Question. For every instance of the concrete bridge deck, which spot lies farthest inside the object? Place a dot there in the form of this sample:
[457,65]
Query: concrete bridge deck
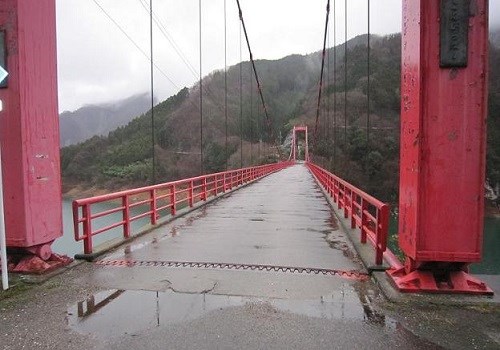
[281,220]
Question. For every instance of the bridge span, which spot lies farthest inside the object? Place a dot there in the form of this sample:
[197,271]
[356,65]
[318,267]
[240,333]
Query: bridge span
[281,224]
[265,266]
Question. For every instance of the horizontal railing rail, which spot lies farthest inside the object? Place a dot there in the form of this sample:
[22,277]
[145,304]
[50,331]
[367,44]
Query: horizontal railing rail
[365,212]
[158,201]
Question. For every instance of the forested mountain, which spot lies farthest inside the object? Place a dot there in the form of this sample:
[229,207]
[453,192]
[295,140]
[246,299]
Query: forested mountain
[290,86]
[100,119]
[493,145]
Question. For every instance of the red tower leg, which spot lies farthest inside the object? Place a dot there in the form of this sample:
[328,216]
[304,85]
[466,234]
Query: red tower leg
[29,127]
[443,138]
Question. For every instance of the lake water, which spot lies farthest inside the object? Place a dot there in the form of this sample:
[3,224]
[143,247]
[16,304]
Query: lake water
[490,264]
[67,244]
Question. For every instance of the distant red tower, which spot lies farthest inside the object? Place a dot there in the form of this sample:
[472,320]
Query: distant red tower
[29,126]
[293,153]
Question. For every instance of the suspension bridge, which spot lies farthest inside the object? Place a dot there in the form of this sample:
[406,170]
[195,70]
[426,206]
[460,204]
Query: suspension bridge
[285,232]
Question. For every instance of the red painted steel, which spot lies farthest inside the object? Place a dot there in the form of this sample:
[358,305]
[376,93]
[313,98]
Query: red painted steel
[29,126]
[293,150]
[443,137]
[368,214]
[160,200]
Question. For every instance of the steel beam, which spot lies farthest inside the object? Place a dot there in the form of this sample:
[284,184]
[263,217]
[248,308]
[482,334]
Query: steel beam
[443,139]
[29,128]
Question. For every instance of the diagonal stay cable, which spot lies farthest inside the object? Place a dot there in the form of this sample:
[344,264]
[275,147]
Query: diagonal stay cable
[135,44]
[180,53]
[170,39]
[124,32]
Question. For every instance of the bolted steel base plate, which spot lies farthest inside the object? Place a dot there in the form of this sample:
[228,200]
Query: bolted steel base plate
[456,282]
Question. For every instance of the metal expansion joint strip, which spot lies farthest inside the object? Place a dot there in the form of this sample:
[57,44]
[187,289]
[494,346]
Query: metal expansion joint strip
[349,274]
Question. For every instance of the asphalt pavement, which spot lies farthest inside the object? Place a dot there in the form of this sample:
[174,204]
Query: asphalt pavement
[264,267]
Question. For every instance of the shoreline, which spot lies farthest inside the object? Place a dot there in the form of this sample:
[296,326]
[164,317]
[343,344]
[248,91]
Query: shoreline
[77,191]
[491,211]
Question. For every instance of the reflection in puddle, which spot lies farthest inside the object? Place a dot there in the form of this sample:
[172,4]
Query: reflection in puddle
[113,313]
[174,231]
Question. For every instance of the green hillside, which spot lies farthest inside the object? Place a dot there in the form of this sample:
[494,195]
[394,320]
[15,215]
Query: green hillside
[124,157]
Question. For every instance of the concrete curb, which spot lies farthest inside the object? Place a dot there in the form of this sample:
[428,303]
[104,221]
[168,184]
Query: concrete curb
[367,255]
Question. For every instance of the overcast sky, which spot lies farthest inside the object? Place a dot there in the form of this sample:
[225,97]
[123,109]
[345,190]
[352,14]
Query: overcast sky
[98,63]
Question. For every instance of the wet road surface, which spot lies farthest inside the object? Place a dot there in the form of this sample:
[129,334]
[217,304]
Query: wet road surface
[282,220]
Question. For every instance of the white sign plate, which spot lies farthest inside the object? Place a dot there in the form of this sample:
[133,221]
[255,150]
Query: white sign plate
[3,74]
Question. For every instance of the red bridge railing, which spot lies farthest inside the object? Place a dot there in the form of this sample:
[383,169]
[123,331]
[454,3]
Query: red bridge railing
[158,200]
[366,213]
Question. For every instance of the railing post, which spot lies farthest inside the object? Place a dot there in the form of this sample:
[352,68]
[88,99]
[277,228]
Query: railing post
[336,190]
[346,202]
[87,229]
[172,200]
[153,206]
[364,220]
[190,193]
[126,216]
[224,183]
[381,233]
[216,185]
[204,189]
[353,210]
[76,220]
[332,186]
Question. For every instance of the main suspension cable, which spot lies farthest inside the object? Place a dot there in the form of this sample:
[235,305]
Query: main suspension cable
[135,44]
[170,39]
[321,75]
[268,119]
[182,56]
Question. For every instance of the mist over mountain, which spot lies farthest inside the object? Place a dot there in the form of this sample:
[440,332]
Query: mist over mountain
[91,120]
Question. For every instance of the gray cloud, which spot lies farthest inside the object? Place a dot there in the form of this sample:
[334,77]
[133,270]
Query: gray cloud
[97,63]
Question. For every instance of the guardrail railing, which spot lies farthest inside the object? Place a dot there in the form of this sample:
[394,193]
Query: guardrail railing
[158,201]
[365,212]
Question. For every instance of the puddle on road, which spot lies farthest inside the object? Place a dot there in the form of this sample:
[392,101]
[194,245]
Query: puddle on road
[113,313]
[172,231]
